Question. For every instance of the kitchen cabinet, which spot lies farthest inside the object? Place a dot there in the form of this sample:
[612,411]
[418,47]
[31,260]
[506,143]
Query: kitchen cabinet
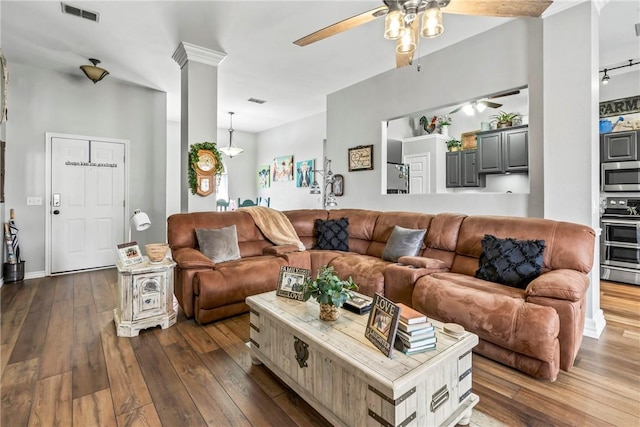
[619,146]
[462,169]
[503,150]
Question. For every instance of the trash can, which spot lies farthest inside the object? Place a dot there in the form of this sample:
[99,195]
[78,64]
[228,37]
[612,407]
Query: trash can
[13,272]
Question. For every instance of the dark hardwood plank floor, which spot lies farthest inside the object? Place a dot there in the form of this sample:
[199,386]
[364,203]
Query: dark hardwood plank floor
[62,364]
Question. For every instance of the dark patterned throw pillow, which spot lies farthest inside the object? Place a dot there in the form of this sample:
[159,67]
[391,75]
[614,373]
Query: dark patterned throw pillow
[509,261]
[332,234]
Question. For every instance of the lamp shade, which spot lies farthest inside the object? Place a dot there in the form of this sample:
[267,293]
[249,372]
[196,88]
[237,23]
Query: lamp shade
[140,220]
[432,21]
[93,72]
[394,23]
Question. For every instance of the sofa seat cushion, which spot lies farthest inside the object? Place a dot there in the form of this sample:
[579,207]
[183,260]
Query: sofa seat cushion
[233,281]
[497,317]
[367,271]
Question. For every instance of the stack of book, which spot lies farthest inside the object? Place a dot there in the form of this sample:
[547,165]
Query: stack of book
[415,333]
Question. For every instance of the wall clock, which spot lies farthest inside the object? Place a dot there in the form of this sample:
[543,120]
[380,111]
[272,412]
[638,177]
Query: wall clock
[205,169]
[361,158]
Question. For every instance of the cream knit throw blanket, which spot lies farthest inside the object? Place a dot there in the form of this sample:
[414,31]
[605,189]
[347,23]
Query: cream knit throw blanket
[275,226]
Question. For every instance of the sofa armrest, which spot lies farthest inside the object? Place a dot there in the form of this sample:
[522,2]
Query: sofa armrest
[191,258]
[280,250]
[422,262]
[563,284]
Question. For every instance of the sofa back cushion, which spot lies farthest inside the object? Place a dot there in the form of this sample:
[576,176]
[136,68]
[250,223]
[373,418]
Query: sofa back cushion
[181,230]
[303,221]
[361,225]
[568,245]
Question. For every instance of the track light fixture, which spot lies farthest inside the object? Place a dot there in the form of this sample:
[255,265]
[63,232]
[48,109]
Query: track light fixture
[605,79]
[93,72]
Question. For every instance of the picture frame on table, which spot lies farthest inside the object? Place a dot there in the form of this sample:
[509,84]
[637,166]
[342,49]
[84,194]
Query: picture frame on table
[129,253]
[383,324]
[291,282]
[361,158]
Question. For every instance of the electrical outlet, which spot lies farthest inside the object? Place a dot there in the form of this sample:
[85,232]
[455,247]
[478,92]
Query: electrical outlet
[34,201]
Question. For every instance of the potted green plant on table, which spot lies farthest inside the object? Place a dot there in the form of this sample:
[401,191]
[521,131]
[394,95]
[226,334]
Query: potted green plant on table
[330,291]
[504,119]
[454,144]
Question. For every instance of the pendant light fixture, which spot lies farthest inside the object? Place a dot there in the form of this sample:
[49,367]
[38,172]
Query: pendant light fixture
[231,150]
[93,72]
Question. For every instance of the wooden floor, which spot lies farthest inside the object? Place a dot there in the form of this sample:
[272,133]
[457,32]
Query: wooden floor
[62,364]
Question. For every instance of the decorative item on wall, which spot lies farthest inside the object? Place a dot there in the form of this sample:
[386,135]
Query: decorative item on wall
[304,173]
[4,80]
[264,176]
[361,158]
[338,185]
[282,169]
[328,197]
[429,125]
[204,162]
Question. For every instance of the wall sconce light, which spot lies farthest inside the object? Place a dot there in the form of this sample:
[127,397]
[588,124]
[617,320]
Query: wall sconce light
[328,197]
[231,150]
[139,220]
[93,72]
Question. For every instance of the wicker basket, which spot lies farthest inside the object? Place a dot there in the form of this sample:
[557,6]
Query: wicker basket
[156,251]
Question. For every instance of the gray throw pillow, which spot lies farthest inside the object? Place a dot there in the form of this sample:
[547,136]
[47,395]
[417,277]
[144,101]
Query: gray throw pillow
[220,244]
[403,242]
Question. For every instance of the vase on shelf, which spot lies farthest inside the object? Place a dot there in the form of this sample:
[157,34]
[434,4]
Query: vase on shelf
[444,130]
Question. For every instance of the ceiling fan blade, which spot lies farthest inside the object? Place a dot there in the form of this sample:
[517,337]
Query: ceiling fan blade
[513,92]
[492,104]
[501,8]
[341,26]
[457,109]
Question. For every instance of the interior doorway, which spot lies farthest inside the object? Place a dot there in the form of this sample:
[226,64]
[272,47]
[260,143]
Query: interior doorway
[419,179]
[86,196]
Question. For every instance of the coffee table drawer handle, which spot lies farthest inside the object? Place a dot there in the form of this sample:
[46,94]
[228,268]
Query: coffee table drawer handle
[439,397]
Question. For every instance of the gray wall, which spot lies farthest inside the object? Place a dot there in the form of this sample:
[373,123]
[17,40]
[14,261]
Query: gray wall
[45,101]
[304,140]
[499,59]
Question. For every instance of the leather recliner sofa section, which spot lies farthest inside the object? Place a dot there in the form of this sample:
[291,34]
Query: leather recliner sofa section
[537,330]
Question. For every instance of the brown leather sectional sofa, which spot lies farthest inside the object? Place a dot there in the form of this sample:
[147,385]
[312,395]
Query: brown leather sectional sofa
[537,330]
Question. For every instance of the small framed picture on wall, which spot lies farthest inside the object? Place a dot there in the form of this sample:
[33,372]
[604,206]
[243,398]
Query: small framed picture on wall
[361,158]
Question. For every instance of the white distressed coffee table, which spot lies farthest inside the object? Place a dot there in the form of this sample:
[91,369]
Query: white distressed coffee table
[334,368]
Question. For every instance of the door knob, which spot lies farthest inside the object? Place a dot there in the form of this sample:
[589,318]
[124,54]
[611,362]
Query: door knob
[56,212]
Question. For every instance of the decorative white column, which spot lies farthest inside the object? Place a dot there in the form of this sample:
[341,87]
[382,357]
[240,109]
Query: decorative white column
[199,112]
[571,140]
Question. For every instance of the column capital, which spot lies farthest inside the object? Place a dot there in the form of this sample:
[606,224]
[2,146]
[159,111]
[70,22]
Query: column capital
[190,52]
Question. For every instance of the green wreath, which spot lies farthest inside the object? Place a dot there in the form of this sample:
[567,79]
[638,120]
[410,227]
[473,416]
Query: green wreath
[193,159]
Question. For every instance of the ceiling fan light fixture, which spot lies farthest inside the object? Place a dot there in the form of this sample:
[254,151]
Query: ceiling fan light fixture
[432,21]
[407,43]
[394,23]
[468,110]
[93,72]
[481,106]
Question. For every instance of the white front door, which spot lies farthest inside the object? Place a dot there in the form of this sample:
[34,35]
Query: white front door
[419,182]
[87,203]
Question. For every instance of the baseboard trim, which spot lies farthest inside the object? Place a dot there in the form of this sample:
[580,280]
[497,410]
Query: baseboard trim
[34,275]
[593,327]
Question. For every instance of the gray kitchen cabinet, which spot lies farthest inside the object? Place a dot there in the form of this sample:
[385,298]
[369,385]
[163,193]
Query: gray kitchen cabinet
[619,146]
[503,150]
[462,169]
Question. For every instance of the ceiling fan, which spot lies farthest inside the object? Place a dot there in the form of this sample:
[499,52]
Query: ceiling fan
[481,104]
[402,22]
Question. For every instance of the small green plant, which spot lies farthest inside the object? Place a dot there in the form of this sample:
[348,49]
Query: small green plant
[328,288]
[504,117]
[454,143]
[444,120]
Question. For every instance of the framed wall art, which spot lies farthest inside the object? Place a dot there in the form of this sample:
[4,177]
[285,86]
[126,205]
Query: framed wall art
[361,158]
[304,173]
[264,176]
[338,185]
[282,169]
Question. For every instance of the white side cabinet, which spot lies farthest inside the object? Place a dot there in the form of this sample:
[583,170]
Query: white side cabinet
[145,297]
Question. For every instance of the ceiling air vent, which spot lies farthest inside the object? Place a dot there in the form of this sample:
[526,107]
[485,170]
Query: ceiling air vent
[256,100]
[82,13]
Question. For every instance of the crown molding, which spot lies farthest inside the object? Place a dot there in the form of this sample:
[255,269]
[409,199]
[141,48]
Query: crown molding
[190,52]
[562,5]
